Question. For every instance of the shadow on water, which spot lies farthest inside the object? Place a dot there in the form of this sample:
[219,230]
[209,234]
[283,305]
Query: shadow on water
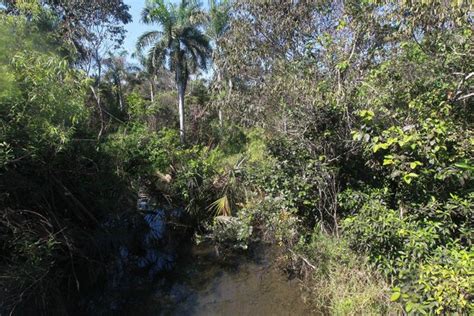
[156,273]
[242,284]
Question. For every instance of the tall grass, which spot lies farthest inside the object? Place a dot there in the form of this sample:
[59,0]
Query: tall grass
[339,281]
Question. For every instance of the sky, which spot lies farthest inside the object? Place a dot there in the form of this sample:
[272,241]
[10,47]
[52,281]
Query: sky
[135,28]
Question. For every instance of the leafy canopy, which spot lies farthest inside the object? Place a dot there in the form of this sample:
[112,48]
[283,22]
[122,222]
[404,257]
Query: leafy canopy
[181,45]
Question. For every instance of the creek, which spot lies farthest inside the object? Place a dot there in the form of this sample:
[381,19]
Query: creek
[190,279]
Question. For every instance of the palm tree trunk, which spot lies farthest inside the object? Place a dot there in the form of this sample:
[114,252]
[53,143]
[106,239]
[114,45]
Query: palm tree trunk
[219,79]
[152,94]
[181,111]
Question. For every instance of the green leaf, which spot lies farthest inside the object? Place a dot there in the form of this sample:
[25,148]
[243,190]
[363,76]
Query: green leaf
[342,65]
[388,160]
[409,176]
[465,166]
[380,146]
[415,164]
[395,296]
[367,114]
[356,136]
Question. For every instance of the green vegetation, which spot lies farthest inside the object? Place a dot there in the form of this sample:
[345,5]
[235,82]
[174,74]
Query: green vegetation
[181,44]
[342,132]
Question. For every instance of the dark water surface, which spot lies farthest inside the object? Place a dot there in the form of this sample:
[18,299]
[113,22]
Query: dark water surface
[157,275]
[205,284]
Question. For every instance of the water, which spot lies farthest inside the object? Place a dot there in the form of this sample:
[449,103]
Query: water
[206,284]
[151,276]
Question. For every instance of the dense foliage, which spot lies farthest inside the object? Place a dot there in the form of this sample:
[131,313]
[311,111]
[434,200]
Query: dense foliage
[340,131]
[370,117]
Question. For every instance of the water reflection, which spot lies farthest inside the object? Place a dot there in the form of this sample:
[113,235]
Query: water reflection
[204,284]
[153,276]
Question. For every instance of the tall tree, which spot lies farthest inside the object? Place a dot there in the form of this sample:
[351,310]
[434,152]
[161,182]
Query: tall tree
[180,46]
[86,32]
[82,26]
[218,24]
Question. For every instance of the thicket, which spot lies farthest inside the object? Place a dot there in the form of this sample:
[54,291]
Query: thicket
[343,132]
[82,134]
[56,187]
[368,112]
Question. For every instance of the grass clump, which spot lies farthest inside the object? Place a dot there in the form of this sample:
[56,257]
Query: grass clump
[339,281]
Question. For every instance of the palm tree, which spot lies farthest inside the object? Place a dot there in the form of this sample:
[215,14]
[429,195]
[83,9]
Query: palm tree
[180,46]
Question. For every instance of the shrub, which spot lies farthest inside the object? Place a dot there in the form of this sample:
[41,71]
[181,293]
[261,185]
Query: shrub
[433,271]
[340,281]
[443,284]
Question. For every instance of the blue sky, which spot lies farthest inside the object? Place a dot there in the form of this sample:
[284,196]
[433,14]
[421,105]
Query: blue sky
[135,28]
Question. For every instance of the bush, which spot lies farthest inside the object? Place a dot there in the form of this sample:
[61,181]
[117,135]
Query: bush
[442,284]
[418,253]
[340,281]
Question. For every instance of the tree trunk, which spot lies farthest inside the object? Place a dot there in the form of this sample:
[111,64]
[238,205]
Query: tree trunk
[221,120]
[152,94]
[229,91]
[120,94]
[181,111]
[219,80]
[100,111]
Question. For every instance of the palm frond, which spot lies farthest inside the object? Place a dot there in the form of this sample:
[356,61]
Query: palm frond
[180,44]
[219,16]
[221,207]
[156,11]
[157,55]
[147,39]
[189,13]
[146,16]
[198,58]
[197,37]
[197,46]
